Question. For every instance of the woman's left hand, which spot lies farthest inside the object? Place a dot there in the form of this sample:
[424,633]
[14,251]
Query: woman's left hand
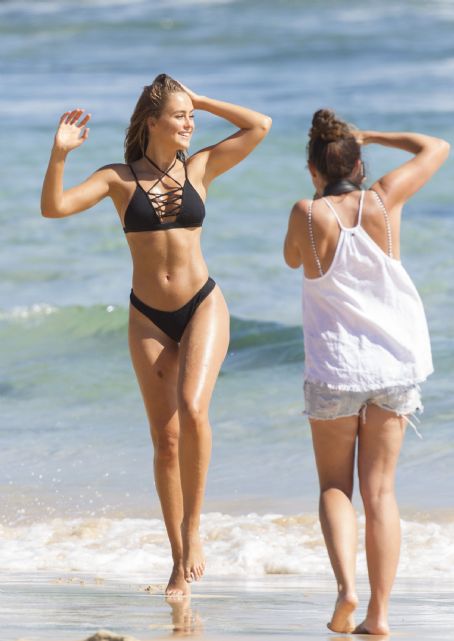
[196,99]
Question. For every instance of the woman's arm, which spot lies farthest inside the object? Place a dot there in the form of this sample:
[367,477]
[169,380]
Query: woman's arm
[55,201]
[401,183]
[295,234]
[252,128]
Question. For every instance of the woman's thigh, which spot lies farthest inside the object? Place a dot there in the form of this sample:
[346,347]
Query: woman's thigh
[202,351]
[155,360]
[334,444]
[379,443]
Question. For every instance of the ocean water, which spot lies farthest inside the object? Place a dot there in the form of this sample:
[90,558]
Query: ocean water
[75,455]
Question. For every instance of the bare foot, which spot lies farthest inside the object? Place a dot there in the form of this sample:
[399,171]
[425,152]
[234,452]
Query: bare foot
[372,627]
[193,559]
[177,585]
[342,619]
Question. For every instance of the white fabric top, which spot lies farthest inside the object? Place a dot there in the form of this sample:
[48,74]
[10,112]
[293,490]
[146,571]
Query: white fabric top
[363,320]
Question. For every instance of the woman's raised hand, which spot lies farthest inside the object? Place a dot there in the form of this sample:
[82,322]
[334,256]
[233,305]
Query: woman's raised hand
[72,131]
[360,136]
[193,96]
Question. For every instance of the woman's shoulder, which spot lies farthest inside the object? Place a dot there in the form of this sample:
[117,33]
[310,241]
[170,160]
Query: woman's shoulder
[198,158]
[116,168]
[298,218]
[115,172]
[300,208]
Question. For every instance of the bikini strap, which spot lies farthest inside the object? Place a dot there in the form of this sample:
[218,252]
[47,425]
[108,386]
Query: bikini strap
[312,239]
[389,237]
[134,175]
[166,173]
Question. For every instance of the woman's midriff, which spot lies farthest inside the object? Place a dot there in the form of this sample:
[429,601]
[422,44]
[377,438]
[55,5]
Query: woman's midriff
[168,267]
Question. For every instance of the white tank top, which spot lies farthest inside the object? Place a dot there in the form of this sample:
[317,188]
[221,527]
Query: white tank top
[363,320]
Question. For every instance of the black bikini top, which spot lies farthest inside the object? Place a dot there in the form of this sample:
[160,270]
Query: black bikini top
[148,211]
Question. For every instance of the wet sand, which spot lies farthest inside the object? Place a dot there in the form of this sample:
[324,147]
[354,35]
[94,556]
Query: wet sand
[74,608]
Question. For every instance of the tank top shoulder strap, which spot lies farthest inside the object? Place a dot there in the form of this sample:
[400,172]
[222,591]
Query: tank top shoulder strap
[389,237]
[360,208]
[360,211]
[312,239]
[336,215]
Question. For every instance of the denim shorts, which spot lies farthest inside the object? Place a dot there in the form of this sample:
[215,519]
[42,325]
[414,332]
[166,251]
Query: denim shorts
[324,403]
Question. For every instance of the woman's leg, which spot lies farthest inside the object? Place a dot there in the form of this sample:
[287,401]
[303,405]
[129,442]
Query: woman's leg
[334,447]
[380,440]
[155,359]
[202,351]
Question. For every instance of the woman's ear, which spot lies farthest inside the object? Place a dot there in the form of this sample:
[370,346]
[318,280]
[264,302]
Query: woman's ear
[151,122]
[361,169]
[358,174]
[312,170]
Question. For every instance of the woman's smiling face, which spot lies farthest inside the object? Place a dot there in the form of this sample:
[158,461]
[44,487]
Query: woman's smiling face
[176,122]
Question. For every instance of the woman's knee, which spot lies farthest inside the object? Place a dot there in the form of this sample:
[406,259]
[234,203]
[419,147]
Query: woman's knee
[376,494]
[166,446]
[193,414]
[331,490]
[336,480]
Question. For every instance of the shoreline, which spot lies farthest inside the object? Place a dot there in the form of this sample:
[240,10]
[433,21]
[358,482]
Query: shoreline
[74,607]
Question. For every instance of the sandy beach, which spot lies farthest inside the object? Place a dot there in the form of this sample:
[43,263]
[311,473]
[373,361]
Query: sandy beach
[76,607]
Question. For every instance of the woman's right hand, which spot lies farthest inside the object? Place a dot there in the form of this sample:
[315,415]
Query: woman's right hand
[57,202]
[71,133]
[361,137]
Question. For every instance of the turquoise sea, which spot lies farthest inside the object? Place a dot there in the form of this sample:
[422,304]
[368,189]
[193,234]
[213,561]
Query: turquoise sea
[75,455]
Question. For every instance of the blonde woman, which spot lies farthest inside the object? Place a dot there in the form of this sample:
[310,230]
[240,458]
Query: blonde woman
[178,322]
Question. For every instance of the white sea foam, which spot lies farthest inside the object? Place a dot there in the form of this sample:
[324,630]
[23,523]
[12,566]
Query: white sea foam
[249,545]
[32,311]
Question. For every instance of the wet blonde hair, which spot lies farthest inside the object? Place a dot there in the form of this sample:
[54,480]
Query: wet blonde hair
[150,103]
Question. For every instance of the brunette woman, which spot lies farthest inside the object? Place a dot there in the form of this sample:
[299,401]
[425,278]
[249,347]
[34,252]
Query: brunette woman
[366,345]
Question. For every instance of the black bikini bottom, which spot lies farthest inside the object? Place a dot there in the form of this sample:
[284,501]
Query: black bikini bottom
[173,323]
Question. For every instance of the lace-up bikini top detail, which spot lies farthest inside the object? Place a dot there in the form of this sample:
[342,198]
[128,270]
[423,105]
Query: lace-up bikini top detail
[178,207]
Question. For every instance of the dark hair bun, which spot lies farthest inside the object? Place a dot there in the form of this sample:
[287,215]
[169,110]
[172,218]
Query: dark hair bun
[328,127]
